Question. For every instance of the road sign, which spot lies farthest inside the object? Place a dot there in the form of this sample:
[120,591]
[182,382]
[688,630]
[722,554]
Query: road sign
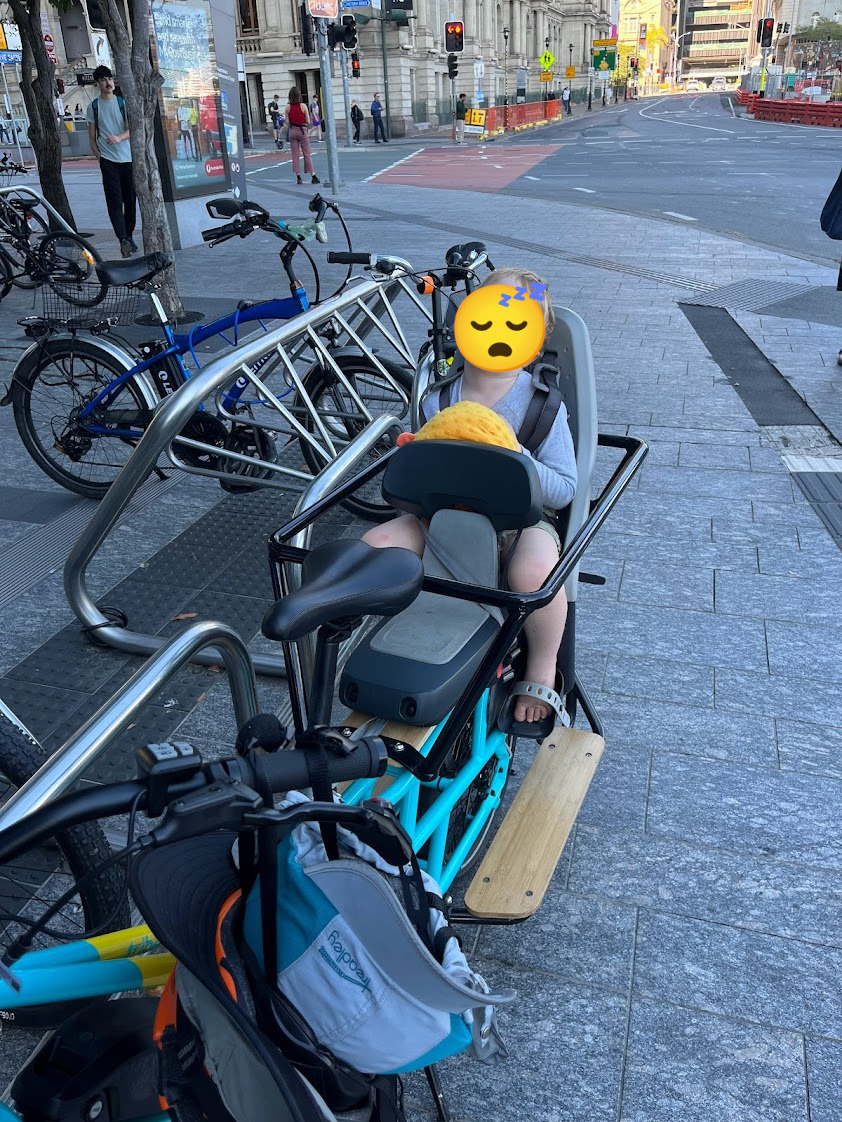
[479,95]
[546,60]
[10,57]
[355,3]
[604,43]
[323,9]
[546,75]
[479,68]
[476,117]
[570,72]
[604,59]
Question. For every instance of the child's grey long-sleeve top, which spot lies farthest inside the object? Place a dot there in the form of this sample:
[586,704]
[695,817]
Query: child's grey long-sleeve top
[554,459]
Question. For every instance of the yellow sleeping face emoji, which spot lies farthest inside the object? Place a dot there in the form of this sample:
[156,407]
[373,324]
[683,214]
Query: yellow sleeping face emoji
[499,337]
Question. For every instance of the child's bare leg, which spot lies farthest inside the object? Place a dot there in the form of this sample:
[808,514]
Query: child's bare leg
[405,531]
[534,558]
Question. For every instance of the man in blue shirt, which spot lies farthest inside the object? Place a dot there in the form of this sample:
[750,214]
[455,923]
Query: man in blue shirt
[377,119]
[108,132]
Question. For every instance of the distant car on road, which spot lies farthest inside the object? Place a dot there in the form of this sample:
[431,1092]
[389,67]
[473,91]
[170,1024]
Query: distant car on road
[719,84]
[693,86]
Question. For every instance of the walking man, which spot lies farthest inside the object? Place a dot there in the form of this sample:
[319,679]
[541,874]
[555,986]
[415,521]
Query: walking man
[461,110]
[356,120]
[565,101]
[108,132]
[377,119]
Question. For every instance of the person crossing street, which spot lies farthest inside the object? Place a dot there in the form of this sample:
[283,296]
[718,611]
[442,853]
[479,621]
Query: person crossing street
[377,119]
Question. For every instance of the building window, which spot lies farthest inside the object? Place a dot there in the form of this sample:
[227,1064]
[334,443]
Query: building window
[248,17]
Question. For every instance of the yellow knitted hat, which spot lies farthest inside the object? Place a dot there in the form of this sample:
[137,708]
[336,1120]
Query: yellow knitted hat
[468,420]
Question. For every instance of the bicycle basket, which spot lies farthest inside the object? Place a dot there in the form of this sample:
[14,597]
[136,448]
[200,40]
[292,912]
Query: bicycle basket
[120,305]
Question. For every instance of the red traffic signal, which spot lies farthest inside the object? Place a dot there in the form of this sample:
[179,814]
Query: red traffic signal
[766,32]
[454,37]
[355,65]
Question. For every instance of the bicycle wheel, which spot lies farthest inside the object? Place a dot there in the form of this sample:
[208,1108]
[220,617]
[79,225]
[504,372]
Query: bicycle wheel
[37,878]
[5,275]
[69,264]
[465,809]
[341,416]
[50,386]
[22,245]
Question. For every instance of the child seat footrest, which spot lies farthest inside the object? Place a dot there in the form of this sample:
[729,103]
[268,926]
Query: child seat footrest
[516,871]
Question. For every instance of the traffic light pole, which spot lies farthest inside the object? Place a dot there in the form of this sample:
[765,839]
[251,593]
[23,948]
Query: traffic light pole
[346,95]
[383,22]
[327,106]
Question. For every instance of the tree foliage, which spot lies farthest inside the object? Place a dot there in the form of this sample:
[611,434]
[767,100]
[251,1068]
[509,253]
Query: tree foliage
[824,29]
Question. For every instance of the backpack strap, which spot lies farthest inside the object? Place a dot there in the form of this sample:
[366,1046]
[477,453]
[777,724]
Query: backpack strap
[183,1083]
[543,407]
[95,107]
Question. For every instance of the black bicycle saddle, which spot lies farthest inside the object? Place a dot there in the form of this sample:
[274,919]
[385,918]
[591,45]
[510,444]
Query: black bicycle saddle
[344,579]
[132,271]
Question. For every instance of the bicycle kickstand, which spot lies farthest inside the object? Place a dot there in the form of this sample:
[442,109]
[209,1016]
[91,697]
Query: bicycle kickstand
[442,1109]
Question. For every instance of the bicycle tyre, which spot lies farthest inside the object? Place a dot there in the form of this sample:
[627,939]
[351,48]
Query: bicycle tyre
[325,393]
[79,851]
[42,438]
[34,229]
[5,276]
[69,267]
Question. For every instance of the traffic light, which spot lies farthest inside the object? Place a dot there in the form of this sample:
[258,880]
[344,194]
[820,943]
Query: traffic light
[452,66]
[786,29]
[765,31]
[59,87]
[779,29]
[308,40]
[632,63]
[355,65]
[349,33]
[454,37]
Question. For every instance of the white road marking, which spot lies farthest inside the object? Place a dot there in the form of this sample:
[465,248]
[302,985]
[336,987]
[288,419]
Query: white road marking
[675,214]
[537,178]
[586,190]
[389,167]
[684,124]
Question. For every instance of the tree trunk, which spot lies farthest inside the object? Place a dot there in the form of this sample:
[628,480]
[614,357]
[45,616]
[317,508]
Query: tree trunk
[40,104]
[140,83]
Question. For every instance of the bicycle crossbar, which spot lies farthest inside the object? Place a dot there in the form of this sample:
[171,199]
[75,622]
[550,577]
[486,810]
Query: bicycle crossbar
[76,755]
[162,432]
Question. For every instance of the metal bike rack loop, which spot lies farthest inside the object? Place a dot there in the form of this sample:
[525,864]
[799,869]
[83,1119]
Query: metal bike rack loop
[168,421]
[77,754]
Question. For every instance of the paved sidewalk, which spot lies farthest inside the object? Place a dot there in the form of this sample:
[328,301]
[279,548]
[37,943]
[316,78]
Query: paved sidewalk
[685,965]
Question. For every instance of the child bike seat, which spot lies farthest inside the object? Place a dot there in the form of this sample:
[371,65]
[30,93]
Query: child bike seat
[345,579]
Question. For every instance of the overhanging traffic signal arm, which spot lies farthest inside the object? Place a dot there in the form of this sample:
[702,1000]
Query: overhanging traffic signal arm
[349,33]
[452,66]
[454,37]
[308,41]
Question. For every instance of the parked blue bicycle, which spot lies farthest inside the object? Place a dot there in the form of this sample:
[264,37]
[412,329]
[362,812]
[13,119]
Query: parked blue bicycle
[82,402]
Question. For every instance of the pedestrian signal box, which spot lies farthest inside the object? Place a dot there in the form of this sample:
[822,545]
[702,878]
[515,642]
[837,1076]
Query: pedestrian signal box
[355,65]
[454,37]
[452,66]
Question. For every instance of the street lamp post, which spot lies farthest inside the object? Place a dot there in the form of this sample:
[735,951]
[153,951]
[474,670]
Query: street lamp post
[678,38]
[547,84]
[505,77]
[570,48]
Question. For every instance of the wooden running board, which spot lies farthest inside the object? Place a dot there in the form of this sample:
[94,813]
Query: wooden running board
[516,871]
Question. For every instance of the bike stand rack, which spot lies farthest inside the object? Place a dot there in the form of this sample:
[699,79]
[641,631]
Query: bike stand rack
[163,430]
[71,760]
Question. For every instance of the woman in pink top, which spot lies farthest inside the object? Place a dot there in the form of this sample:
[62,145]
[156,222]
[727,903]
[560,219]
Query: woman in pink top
[298,119]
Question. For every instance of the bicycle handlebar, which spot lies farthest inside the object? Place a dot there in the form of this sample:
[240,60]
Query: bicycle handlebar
[336,257]
[282,771]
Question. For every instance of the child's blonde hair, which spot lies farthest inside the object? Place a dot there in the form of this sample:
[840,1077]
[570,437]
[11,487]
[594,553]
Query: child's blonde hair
[525,278]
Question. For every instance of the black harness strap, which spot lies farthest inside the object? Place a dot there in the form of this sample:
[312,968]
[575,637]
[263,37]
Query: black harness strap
[543,407]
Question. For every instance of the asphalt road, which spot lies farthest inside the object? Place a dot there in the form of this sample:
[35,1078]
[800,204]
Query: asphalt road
[689,159]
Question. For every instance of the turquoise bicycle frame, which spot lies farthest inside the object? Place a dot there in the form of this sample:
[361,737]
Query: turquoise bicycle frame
[404,790]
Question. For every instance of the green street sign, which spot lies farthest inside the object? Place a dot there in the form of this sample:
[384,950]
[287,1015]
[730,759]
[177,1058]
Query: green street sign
[604,59]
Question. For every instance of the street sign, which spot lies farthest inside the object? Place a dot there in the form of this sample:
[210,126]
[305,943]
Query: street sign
[604,59]
[355,3]
[479,68]
[10,57]
[546,60]
[479,95]
[604,43]
[546,75]
[570,72]
[476,118]
[323,9]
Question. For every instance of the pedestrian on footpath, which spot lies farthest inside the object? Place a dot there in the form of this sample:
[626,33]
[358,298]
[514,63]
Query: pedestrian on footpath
[461,110]
[565,101]
[316,118]
[377,119]
[298,119]
[108,132]
[831,222]
[356,120]
[274,111]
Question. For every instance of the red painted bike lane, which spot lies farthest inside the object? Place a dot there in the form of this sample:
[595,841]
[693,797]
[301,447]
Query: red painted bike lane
[489,167]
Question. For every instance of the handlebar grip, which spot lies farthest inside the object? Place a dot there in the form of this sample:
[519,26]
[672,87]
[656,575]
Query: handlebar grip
[288,771]
[336,257]
[228,230]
